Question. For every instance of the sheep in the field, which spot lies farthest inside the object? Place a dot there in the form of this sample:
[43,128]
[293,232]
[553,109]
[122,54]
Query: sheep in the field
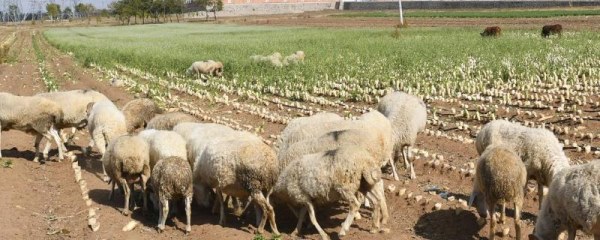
[327,177]
[244,167]
[274,59]
[209,67]
[297,124]
[538,148]
[138,112]
[573,203]
[408,116]
[500,178]
[74,104]
[294,58]
[34,115]
[164,144]
[548,30]
[168,121]
[378,144]
[171,180]
[127,161]
[105,123]
[494,31]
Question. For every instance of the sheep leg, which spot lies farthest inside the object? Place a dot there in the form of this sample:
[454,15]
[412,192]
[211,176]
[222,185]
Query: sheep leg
[0,140]
[188,214]
[145,176]
[164,212]
[221,208]
[376,227]
[112,190]
[518,219]
[59,144]
[313,219]
[405,156]
[380,193]
[572,233]
[268,212]
[354,205]
[394,172]
[503,213]
[36,144]
[540,194]
[125,186]
[492,204]
[100,143]
[301,216]
[409,164]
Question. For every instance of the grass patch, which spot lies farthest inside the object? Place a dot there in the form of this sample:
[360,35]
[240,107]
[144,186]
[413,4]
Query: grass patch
[367,59]
[475,14]
[6,163]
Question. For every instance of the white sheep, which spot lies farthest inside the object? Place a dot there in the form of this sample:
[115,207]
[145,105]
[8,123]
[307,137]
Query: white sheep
[294,58]
[164,144]
[573,203]
[172,179]
[105,124]
[326,177]
[168,121]
[274,59]
[127,161]
[138,112]
[500,178]
[209,67]
[244,167]
[74,104]
[408,116]
[538,148]
[34,115]
[298,124]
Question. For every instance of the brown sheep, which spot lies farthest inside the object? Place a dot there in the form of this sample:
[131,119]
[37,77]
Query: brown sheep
[494,31]
[168,121]
[548,30]
[138,113]
[500,178]
[172,179]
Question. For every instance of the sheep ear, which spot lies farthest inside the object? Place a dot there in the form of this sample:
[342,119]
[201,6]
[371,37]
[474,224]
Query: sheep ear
[89,107]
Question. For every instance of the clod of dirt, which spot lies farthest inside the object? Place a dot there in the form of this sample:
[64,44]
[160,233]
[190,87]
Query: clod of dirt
[437,206]
[505,232]
[130,226]
[401,191]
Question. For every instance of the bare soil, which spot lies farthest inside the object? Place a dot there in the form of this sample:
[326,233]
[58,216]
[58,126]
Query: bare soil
[43,201]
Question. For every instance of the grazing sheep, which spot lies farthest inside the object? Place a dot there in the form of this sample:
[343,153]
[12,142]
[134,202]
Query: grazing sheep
[408,116]
[327,177]
[548,30]
[164,144]
[138,112]
[172,179]
[127,161]
[573,203]
[299,123]
[210,67]
[33,115]
[538,148]
[294,58]
[168,121]
[494,31]
[500,178]
[274,59]
[105,124]
[243,167]
[74,104]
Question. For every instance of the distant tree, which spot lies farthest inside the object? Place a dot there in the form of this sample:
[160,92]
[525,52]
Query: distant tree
[13,12]
[210,6]
[67,13]
[53,10]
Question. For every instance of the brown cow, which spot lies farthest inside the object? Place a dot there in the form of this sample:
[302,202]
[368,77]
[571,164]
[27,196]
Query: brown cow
[494,31]
[548,30]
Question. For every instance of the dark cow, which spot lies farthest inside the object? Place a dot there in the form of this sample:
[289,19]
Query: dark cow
[548,30]
[494,31]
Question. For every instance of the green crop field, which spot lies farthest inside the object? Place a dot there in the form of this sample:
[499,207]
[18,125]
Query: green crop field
[364,61]
[476,13]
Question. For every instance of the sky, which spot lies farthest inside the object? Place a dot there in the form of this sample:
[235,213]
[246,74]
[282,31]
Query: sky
[27,6]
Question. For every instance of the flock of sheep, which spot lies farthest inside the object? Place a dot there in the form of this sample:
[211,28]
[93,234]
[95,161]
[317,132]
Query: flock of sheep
[547,30]
[320,159]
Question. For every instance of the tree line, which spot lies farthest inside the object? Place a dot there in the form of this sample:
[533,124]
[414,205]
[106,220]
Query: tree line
[153,10]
